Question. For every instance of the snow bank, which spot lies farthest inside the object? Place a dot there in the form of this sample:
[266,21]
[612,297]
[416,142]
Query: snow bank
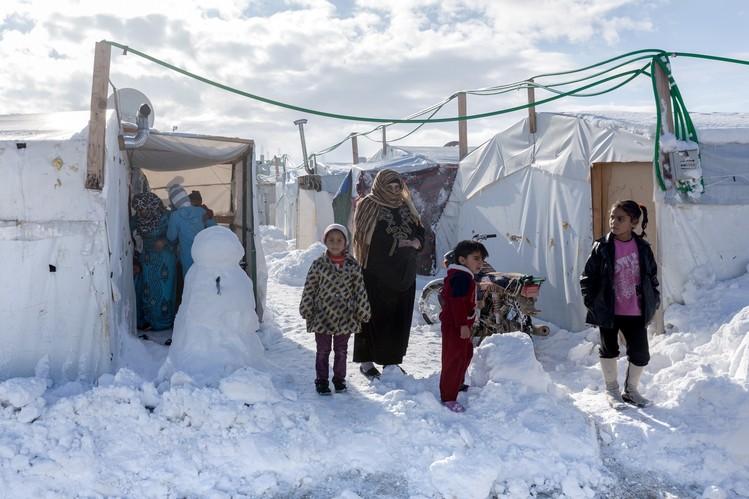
[291,267]
[273,240]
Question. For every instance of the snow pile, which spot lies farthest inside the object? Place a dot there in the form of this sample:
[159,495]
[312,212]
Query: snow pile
[250,386]
[24,397]
[273,241]
[214,331]
[291,267]
[509,358]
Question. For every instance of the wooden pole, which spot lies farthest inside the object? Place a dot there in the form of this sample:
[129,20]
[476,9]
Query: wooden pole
[97,123]
[664,100]
[355,148]
[462,126]
[531,109]
[384,141]
[667,126]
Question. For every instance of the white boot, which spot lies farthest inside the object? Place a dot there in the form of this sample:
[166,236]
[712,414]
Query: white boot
[631,395]
[608,367]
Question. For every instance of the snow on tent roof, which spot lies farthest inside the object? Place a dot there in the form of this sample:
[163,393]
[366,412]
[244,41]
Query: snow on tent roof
[44,126]
[712,128]
[412,157]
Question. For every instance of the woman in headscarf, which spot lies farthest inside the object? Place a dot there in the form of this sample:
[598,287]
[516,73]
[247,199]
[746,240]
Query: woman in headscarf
[158,264]
[387,237]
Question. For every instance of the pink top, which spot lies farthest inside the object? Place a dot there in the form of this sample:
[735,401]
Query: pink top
[626,277]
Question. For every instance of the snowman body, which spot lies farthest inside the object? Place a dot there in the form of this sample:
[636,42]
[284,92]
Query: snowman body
[215,328]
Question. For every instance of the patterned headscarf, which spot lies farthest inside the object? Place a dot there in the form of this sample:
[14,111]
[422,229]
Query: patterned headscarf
[365,218]
[148,211]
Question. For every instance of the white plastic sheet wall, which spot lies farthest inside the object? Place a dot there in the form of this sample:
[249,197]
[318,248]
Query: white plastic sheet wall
[56,293]
[702,241]
[314,213]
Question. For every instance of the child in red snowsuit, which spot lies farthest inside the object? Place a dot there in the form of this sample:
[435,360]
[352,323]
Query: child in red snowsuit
[458,298]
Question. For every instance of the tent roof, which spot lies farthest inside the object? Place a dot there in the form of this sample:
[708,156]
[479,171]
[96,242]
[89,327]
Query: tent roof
[432,154]
[179,151]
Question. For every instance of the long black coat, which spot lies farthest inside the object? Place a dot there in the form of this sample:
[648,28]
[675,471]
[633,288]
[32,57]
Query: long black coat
[597,282]
[390,279]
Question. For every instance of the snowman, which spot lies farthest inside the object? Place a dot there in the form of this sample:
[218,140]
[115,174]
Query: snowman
[214,331]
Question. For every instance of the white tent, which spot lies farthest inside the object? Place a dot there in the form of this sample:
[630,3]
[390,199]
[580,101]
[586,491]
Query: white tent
[547,194]
[66,296]
[303,212]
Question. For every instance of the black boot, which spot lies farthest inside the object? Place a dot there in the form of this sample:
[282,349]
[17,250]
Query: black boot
[322,387]
[371,373]
[339,385]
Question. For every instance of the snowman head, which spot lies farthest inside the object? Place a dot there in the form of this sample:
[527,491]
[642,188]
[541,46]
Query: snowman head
[217,247]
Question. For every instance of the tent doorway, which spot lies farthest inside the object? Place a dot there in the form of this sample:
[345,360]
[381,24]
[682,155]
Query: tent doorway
[612,182]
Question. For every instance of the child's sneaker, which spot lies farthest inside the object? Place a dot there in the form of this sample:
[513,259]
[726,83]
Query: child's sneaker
[322,387]
[454,406]
[339,385]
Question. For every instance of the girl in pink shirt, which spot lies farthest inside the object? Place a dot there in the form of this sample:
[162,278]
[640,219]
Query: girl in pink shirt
[620,290]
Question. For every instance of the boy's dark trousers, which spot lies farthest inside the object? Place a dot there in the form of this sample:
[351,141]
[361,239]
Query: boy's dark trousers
[340,347]
[634,331]
[456,357]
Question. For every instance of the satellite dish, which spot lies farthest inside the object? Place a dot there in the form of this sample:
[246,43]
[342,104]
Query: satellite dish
[129,101]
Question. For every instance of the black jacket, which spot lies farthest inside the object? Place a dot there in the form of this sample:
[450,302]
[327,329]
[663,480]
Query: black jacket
[597,282]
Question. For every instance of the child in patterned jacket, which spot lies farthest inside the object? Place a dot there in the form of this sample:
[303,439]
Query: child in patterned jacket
[334,304]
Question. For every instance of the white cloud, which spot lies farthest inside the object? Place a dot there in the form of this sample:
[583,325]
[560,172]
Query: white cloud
[386,58]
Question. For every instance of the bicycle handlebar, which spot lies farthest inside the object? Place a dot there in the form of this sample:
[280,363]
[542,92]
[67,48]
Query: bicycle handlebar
[482,237]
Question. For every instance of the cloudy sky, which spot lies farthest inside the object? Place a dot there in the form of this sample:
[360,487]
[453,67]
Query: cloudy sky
[382,58]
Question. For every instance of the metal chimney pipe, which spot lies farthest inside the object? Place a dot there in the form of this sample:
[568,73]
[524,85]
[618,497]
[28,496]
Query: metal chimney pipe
[300,123]
[143,129]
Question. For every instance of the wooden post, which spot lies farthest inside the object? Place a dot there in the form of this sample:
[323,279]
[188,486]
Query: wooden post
[354,148]
[532,109]
[664,100]
[97,123]
[462,127]
[667,126]
[384,141]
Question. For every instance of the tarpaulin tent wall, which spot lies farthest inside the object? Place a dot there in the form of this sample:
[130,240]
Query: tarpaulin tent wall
[266,197]
[66,295]
[303,212]
[429,173]
[59,243]
[535,192]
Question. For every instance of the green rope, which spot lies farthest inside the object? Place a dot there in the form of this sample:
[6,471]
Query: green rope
[650,52]
[227,88]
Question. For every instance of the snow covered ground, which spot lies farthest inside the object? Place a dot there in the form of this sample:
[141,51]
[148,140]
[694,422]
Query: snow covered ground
[536,424]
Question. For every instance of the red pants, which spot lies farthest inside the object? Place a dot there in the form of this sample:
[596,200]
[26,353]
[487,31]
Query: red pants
[456,356]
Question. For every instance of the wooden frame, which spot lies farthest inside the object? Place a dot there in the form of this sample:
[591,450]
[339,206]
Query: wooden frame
[97,124]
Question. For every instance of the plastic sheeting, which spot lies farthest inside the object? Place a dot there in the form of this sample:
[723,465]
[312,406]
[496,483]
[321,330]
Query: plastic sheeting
[177,151]
[67,286]
[534,191]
